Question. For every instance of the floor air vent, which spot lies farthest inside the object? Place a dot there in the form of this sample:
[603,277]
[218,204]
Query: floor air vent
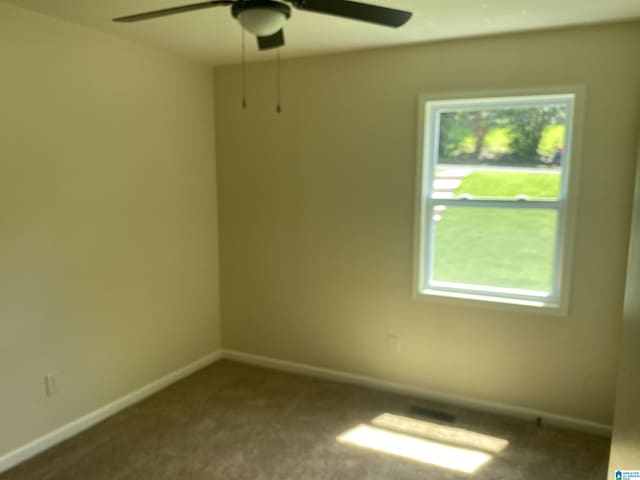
[428,412]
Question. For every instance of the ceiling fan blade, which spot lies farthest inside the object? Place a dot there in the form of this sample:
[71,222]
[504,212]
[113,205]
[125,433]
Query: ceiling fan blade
[172,11]
[357,11]
[272,41]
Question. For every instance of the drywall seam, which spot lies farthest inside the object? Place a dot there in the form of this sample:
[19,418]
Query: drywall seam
[74,427]
[457,400]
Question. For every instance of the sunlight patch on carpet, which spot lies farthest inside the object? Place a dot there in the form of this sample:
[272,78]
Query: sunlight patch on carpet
[441,433]
[414,448]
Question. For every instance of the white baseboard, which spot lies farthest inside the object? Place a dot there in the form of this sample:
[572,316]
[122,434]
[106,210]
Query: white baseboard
[44,442]
[457,400]
[40,444]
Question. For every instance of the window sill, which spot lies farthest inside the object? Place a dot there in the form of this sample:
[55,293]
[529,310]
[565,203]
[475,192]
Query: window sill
[540,307]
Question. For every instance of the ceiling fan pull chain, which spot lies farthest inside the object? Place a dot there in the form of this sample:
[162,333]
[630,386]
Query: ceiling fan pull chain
[244,71]
[279,106]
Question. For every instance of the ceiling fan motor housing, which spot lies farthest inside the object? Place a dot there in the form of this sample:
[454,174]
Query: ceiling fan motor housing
[261,17]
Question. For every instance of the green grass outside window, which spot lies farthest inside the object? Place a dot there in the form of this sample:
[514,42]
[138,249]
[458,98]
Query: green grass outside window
[499,247]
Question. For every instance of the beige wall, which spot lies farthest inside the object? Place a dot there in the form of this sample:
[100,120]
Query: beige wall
[625,447]
[108,257]
[317,204]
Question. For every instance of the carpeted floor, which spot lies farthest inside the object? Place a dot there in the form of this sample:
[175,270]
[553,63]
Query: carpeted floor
[232,422]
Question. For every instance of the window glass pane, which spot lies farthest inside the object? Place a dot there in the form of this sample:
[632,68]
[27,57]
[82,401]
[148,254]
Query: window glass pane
[500,152]
[494,247]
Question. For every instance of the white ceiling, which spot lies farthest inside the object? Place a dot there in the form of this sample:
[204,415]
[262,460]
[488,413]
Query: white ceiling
[213,36]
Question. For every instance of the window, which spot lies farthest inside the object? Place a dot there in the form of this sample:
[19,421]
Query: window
[493,198]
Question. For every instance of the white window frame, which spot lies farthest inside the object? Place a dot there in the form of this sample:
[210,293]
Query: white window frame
[557,302]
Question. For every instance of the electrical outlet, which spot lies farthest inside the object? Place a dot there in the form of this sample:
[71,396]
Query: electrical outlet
[393,343]
[51,384]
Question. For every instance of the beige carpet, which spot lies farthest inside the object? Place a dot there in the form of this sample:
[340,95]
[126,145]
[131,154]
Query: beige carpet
[232,422]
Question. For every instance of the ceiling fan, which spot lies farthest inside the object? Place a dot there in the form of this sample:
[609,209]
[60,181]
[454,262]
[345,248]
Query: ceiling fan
[266,18]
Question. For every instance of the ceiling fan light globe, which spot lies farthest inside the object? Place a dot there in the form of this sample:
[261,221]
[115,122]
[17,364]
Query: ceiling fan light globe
[262,22]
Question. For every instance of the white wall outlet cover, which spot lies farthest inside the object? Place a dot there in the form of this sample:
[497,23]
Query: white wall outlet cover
[393,343]
[51,384]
